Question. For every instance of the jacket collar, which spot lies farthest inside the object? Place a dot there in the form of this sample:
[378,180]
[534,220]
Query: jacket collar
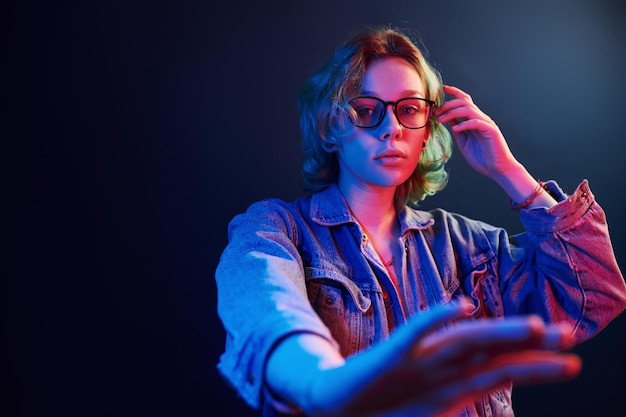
[330,208]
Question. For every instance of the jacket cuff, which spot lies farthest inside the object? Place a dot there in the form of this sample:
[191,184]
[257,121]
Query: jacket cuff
[568,210]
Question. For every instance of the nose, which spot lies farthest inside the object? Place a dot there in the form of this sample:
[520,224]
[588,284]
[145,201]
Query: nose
[390,127]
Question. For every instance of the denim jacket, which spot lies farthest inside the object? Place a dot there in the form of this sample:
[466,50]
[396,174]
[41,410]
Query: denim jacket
[307,266]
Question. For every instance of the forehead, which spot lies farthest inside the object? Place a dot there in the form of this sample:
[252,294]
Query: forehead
[392,76]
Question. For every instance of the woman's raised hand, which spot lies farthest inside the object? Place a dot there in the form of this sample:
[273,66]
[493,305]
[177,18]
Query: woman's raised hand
[478,137]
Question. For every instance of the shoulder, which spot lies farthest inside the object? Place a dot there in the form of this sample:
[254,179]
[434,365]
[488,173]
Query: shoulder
[278,207]
[271,213]
[472,241]
[438,220]
[444,218]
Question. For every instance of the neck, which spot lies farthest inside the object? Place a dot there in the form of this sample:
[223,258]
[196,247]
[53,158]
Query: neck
[374,208]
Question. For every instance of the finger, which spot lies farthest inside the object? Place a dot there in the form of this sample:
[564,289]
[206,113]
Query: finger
[462,386]
[445,355]
[418,326]
[456,92]
[452,103]
[522,369]
[482,339]
[530,331]
[485,332]
[450,113]
[472,124]
[455,115]
[444,111]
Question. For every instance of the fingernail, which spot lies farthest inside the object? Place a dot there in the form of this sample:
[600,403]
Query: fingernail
[558,337]
[468,307]
[572,366]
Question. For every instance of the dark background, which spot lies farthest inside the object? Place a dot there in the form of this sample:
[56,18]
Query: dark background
[133,132]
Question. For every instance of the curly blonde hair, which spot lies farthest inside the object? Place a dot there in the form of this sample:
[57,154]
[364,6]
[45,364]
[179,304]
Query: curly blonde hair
[324,108]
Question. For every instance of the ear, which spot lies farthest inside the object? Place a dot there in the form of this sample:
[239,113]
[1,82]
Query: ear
[329,147]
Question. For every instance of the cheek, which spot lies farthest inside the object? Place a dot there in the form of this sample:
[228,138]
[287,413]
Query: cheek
[423,134]
[352,146]
[352,152]
[418,140]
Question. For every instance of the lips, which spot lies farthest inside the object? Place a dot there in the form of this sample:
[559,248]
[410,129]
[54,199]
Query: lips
[391,153]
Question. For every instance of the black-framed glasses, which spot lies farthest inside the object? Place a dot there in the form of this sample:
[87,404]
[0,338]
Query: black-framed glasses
[411,112]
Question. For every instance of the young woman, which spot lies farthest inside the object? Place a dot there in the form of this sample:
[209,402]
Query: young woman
[352,302]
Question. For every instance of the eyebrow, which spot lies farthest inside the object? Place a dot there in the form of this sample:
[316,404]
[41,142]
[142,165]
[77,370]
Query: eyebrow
[405,93]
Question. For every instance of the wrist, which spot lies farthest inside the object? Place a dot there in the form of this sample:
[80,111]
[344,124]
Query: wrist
[523,189]
[531,199]
[516,173]
[294,369]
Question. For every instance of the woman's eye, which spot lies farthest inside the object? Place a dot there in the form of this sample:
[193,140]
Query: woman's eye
[409,110]
[364,111]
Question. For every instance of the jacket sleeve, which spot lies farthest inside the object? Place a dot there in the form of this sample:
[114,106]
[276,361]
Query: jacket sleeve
[261,295]
[563,267]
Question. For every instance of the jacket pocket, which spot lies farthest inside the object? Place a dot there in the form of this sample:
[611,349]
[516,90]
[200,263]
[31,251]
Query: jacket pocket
[344,307]
[485,292]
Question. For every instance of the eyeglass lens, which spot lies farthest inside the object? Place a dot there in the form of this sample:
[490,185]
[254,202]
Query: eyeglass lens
[412,113]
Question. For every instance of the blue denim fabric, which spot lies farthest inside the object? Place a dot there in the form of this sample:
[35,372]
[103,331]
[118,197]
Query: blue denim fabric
[307,266]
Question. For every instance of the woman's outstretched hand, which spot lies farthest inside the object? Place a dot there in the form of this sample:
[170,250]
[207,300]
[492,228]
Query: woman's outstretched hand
[419,371]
